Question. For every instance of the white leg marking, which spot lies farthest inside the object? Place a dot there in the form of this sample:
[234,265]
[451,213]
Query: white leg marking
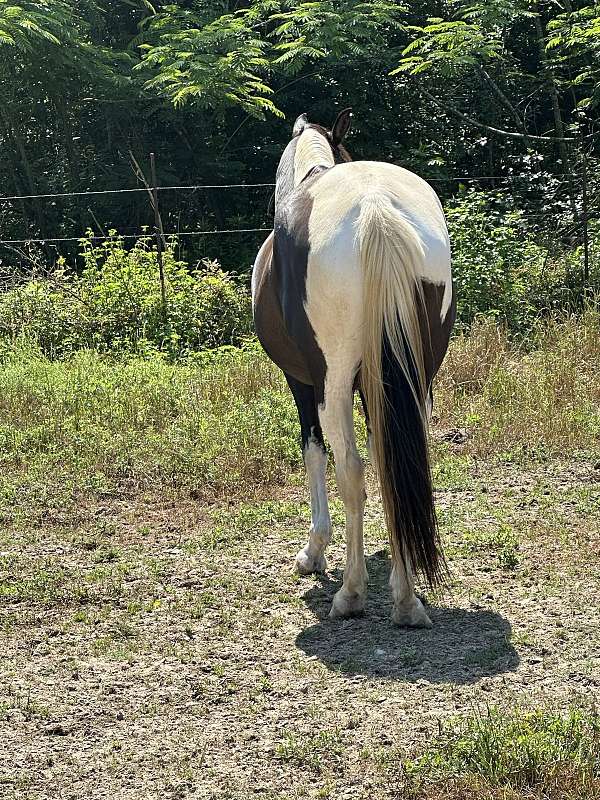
[408,609]
[312,556]
[337,421]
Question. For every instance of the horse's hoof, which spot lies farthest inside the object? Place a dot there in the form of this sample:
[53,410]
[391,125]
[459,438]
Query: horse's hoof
[306,564]
[411,615]
[347,604]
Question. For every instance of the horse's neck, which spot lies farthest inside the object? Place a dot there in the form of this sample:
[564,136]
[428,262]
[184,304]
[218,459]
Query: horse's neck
[313,150]
[302,155]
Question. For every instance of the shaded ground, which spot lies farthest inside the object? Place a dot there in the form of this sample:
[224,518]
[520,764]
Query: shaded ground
[153,647]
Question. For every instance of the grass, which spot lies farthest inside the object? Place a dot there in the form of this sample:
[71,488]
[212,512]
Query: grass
[226,423]
[502,542]
[523,754]
[97,423]
[308,750]
[539,398]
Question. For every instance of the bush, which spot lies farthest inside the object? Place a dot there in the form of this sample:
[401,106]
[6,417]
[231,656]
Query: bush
[115,304]
[500,271]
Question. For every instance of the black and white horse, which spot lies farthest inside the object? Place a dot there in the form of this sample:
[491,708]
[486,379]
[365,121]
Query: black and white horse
[353,290]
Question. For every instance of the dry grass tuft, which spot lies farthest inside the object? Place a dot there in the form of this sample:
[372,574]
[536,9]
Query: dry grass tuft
[542,395]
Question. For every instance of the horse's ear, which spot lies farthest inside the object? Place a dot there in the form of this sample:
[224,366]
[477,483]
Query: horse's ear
[300,124]
[341,126]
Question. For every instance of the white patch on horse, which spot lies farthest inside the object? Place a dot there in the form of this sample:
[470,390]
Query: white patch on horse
[338,195]
[312,150]
[312,556]
[408,609]
[334,306]
[338,424]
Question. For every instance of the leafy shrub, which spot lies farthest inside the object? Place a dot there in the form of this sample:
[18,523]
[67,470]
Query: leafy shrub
[493,261]
[115,304]
[501,271]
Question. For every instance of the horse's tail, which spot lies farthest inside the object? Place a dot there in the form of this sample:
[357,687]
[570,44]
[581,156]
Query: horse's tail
[393,381]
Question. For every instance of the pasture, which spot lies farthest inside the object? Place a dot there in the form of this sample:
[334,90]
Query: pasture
[156,643]
[155,640]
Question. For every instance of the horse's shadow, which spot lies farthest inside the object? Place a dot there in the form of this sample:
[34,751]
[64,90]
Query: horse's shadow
[462,647]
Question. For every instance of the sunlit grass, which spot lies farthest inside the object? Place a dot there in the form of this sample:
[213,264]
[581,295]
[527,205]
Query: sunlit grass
[542,396]
[226,422]
[517,755]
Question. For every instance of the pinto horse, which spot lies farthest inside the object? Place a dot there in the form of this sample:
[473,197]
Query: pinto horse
[353,291]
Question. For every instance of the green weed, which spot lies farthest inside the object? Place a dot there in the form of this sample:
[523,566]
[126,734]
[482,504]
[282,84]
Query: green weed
[533,752]
[306,750]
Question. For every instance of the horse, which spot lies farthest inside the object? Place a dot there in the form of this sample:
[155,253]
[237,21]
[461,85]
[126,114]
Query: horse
[352,290]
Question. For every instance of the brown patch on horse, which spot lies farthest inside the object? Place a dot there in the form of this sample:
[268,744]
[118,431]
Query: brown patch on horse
[281,322]
[435,332]
[268,320]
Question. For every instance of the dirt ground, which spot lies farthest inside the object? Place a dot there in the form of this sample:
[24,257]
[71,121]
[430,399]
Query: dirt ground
[157,647]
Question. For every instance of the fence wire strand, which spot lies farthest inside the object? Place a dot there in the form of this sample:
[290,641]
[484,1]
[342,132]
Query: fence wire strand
[198,187]
[118,236]
[506,179]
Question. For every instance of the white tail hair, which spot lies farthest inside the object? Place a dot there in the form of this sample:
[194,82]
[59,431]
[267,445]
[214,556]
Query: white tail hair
[393,379]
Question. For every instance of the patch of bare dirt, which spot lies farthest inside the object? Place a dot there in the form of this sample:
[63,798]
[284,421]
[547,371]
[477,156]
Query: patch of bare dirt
[154,647]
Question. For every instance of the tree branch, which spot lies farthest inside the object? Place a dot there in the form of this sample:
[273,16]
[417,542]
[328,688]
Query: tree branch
[499,131]
[504,99]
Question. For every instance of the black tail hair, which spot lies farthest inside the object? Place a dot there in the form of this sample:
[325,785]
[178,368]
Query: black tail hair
[413,527]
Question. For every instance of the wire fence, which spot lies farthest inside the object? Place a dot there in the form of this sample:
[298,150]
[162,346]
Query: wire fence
[198,187]
[138,189]
[577,222]
[138,236]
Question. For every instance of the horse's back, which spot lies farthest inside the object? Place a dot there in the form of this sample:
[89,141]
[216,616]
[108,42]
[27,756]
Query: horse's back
[308,278]
[341,199]
[341,192]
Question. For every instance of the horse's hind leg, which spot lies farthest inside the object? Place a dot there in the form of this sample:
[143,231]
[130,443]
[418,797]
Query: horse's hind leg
[408,609]
[338,424]
[312,556]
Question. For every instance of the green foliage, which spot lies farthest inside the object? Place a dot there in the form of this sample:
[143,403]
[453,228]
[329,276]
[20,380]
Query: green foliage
[214,62]
[219,60]
[475,42]
[58,31]
[24,26]
[474,36]
[446,45]
[523,750]
[116,304]
[575,38]
[225,420]
[501,270]
[204,84]
[316,31]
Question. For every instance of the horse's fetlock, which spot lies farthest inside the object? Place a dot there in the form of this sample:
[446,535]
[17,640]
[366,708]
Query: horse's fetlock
[320,533]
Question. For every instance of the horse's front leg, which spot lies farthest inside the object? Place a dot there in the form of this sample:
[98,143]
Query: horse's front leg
[312,556]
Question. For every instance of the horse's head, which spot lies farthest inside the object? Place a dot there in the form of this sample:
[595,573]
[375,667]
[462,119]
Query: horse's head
[334,137]
[312,146]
